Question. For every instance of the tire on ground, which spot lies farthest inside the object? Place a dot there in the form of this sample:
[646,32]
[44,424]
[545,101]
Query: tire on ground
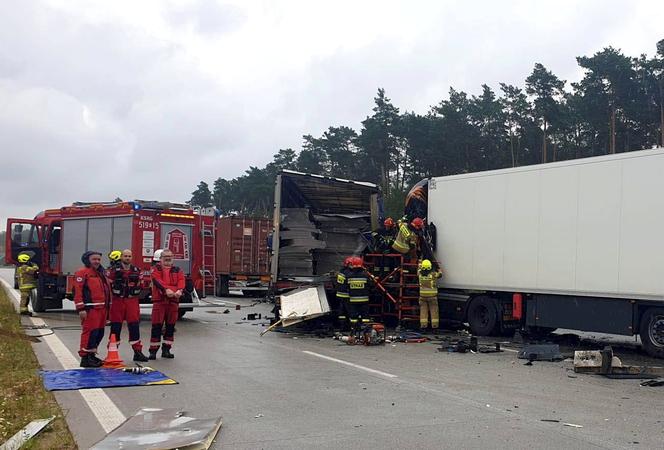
[652,332]
[37,300]
[483,316]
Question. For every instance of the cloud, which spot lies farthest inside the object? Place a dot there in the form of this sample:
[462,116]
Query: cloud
[144,99]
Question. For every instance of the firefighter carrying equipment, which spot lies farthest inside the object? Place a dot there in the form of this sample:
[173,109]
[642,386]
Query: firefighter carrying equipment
[23,258]
[125,283]
[115,255]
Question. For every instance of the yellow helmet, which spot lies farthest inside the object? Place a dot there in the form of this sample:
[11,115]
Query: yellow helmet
[115,255]
[23,258]
[426,264]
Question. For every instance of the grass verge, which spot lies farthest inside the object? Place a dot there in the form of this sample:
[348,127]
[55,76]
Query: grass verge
[22,394]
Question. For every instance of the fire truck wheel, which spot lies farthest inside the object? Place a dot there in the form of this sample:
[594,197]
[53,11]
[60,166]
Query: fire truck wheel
[652,332]
[482,316]
[36,301]
[222,286]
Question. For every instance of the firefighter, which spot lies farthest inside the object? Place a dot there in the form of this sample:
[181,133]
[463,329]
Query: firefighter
[384,237]
[428,281]
[167,287]
[27,280]
[125,281]
[92,295]
[342,290]
[358,294]
[406,241]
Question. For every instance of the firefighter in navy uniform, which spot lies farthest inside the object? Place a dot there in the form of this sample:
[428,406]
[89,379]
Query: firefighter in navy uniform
[125,281]
[168,285]
[92,296]
[342,291]
[27,280]
[357,304]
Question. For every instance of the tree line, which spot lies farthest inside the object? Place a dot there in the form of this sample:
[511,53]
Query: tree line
[617,106]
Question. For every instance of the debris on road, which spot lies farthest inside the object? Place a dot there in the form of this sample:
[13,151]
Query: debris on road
[541,352]
[25,434]
[301,304]
[258,416]
[653,383]
[572,425]
[162,428]
[603,362]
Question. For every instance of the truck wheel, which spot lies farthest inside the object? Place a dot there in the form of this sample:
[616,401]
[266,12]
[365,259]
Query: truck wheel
[652,332]
[37,301]
[222,286]
[482,316]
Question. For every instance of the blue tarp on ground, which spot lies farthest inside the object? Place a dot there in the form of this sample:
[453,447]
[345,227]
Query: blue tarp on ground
[65,380]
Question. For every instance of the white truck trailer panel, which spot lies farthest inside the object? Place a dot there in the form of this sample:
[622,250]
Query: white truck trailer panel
[591,226]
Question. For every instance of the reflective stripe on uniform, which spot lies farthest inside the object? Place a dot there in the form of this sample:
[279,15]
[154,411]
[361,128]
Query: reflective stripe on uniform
[343,295]
[359,299]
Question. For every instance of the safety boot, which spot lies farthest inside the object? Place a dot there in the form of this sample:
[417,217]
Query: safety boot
[139,356]
[96,360]
[166,352]
[153,354]
[88,361]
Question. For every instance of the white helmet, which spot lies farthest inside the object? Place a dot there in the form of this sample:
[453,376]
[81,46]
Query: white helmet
[156,256]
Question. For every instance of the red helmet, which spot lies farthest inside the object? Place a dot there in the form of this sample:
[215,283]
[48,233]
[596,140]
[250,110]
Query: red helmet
[389,223]
[347,261]
[417,223]
[356,261]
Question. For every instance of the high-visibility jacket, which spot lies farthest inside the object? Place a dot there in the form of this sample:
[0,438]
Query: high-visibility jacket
[125,283]
[91,289]
[405,239]
[428,282]
[27,276]
[166,278]
[342,285]
[358,285]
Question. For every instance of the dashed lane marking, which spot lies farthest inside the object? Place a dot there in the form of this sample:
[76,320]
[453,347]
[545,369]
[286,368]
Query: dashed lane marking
[346,363]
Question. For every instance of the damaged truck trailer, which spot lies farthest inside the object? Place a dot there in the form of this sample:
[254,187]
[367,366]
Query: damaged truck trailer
[576,244]
[318,221]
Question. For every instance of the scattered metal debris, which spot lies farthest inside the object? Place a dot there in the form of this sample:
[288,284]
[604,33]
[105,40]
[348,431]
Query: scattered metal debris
[25,434]
[653,383]
[153,428]
[541,352]
[603,362]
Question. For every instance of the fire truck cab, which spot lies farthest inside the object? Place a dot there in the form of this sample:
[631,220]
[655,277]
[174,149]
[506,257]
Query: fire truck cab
[56,239]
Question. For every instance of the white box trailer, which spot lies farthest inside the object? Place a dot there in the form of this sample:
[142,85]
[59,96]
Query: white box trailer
[576,244]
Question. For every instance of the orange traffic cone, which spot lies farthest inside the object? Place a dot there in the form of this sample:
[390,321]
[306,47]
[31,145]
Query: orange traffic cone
[113,357]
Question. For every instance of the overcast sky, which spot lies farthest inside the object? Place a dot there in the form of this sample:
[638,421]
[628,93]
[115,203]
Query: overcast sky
[142,99]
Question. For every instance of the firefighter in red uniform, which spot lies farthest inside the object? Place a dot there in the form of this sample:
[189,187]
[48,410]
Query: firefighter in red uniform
[167,288]
[125,281]
[92,295]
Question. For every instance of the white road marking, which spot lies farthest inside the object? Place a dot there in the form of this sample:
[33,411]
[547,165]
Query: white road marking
[346,363]
[107,413]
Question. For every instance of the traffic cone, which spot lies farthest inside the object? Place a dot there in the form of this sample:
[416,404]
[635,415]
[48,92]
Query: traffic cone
[113,357]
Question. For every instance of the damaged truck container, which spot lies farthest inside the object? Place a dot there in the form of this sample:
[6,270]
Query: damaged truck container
[576,244]
[318,221]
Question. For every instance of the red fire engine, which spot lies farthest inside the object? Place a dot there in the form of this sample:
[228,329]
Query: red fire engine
[58,237]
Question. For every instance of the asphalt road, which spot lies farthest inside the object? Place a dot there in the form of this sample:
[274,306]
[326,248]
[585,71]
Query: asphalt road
[296,391]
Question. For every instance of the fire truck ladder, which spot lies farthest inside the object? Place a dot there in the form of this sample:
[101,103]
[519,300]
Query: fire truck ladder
[208,258]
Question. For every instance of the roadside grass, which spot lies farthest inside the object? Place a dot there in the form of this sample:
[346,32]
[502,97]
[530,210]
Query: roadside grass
[22,394]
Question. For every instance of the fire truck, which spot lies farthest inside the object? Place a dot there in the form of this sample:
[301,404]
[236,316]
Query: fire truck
[56,239]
